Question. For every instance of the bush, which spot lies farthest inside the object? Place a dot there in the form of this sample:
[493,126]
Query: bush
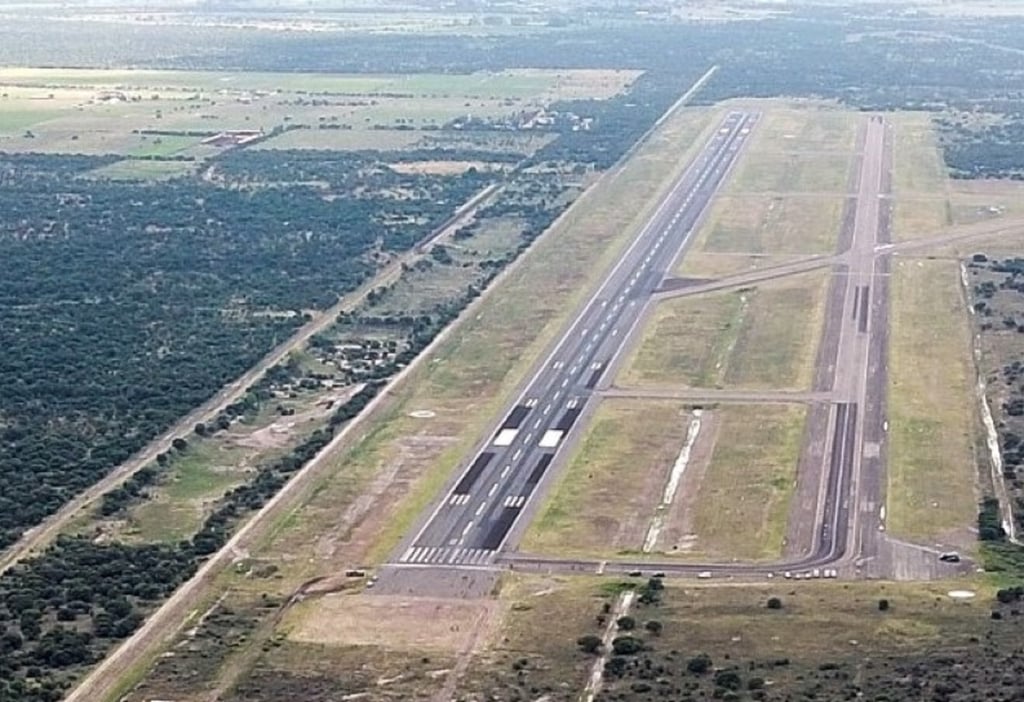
[589,643]
[626,623]
[729,679]
[653,626]
[774,603]
[627,645]
[699,665]
[755,683]
[883,605]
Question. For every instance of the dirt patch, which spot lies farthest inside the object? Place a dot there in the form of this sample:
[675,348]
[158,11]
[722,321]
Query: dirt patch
[417,624]
[443,167]
[679,534]
[988,187]
[349,538]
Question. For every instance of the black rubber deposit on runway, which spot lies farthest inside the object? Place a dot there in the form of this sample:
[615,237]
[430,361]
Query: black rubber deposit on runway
[500,527]
[473,474]
[568,419]
[538,470]
[840,466]
[865,296]
[515,417]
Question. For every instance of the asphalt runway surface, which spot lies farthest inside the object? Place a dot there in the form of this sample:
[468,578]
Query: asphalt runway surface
[472,521]
[844,457]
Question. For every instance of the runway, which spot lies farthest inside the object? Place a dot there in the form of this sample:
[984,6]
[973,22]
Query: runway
[475,516]
[844,460]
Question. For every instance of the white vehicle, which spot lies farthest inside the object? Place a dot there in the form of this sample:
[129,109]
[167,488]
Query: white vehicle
[815,573]
[787,575]
[704,574]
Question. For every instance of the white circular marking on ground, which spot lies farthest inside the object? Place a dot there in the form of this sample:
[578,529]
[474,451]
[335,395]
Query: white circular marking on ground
[422,414]
[960,594]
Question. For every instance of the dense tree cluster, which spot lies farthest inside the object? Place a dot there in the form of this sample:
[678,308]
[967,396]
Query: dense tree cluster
[65,608]
[122,306]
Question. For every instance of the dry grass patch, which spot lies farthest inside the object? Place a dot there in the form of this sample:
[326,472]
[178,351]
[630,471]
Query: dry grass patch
[687,342]
[792,171]
[763,338]
[417,624]
[777,343]
[743,504]
[931,493]
[916,216]
[809,128]
[700,264]
[917,161]
[442,167]
[320,673]
[773,225]
[605,499]
[819,622]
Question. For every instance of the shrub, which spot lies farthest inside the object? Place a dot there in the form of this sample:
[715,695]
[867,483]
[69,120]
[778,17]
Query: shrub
[627,645]
[589,643]
[729,679]
[699,665]
[774,603]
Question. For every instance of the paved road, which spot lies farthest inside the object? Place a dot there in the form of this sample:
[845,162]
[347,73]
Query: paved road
[472,521]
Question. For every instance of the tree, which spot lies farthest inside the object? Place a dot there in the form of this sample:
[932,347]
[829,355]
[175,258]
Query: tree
[699,665]
[179,444]
[589,643]
[653,626]
[627,645]
[883,605]
[626,623]
[729,679]
[774,603]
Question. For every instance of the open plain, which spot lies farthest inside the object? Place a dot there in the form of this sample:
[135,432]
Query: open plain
[607,351]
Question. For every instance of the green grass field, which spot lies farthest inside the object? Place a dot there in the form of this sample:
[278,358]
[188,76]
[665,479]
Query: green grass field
[605,498]
[792,171]
[773,225]
[93,111]
[743,504]
[917,162]
[687,342]
[758,338]
[510,84]
[163,145]
[138,169]
[14,122]
[931,406]
[808,127]
[195,481]
[777,343]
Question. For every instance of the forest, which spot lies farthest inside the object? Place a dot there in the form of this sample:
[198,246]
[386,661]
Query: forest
[124,306]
